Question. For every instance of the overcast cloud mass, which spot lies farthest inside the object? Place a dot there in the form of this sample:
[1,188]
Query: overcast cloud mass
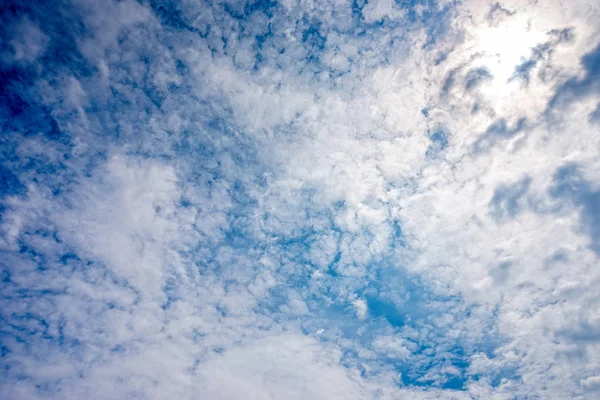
[392,199]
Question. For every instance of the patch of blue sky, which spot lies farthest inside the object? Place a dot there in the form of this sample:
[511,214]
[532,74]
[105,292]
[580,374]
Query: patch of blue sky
[439,140]
[395,303]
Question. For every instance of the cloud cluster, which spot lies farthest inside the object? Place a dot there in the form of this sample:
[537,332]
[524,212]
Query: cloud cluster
[299,199]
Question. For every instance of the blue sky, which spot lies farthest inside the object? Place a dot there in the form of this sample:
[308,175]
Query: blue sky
[299,200]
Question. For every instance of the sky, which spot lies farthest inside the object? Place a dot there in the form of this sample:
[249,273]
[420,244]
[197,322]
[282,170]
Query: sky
[303,199]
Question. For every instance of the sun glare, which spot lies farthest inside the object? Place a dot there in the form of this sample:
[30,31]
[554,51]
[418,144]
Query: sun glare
[500,49]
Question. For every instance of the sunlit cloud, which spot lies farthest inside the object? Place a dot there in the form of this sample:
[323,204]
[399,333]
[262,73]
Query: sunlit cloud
[266,200]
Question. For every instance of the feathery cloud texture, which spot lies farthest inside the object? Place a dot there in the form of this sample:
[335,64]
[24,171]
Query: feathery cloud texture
[300,199]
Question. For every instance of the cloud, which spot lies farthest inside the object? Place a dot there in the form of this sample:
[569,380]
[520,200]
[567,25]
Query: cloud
[506,200]
[576,88]
[571,186]
[592,383]
[284,199]
[28,41]
[497,13]
[475,77]
[274,367]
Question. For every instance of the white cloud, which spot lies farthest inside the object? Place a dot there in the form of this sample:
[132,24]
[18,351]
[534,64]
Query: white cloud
[283,366]
[592,383]
[377,10]
[28,41]
[361,308]
[223,227]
